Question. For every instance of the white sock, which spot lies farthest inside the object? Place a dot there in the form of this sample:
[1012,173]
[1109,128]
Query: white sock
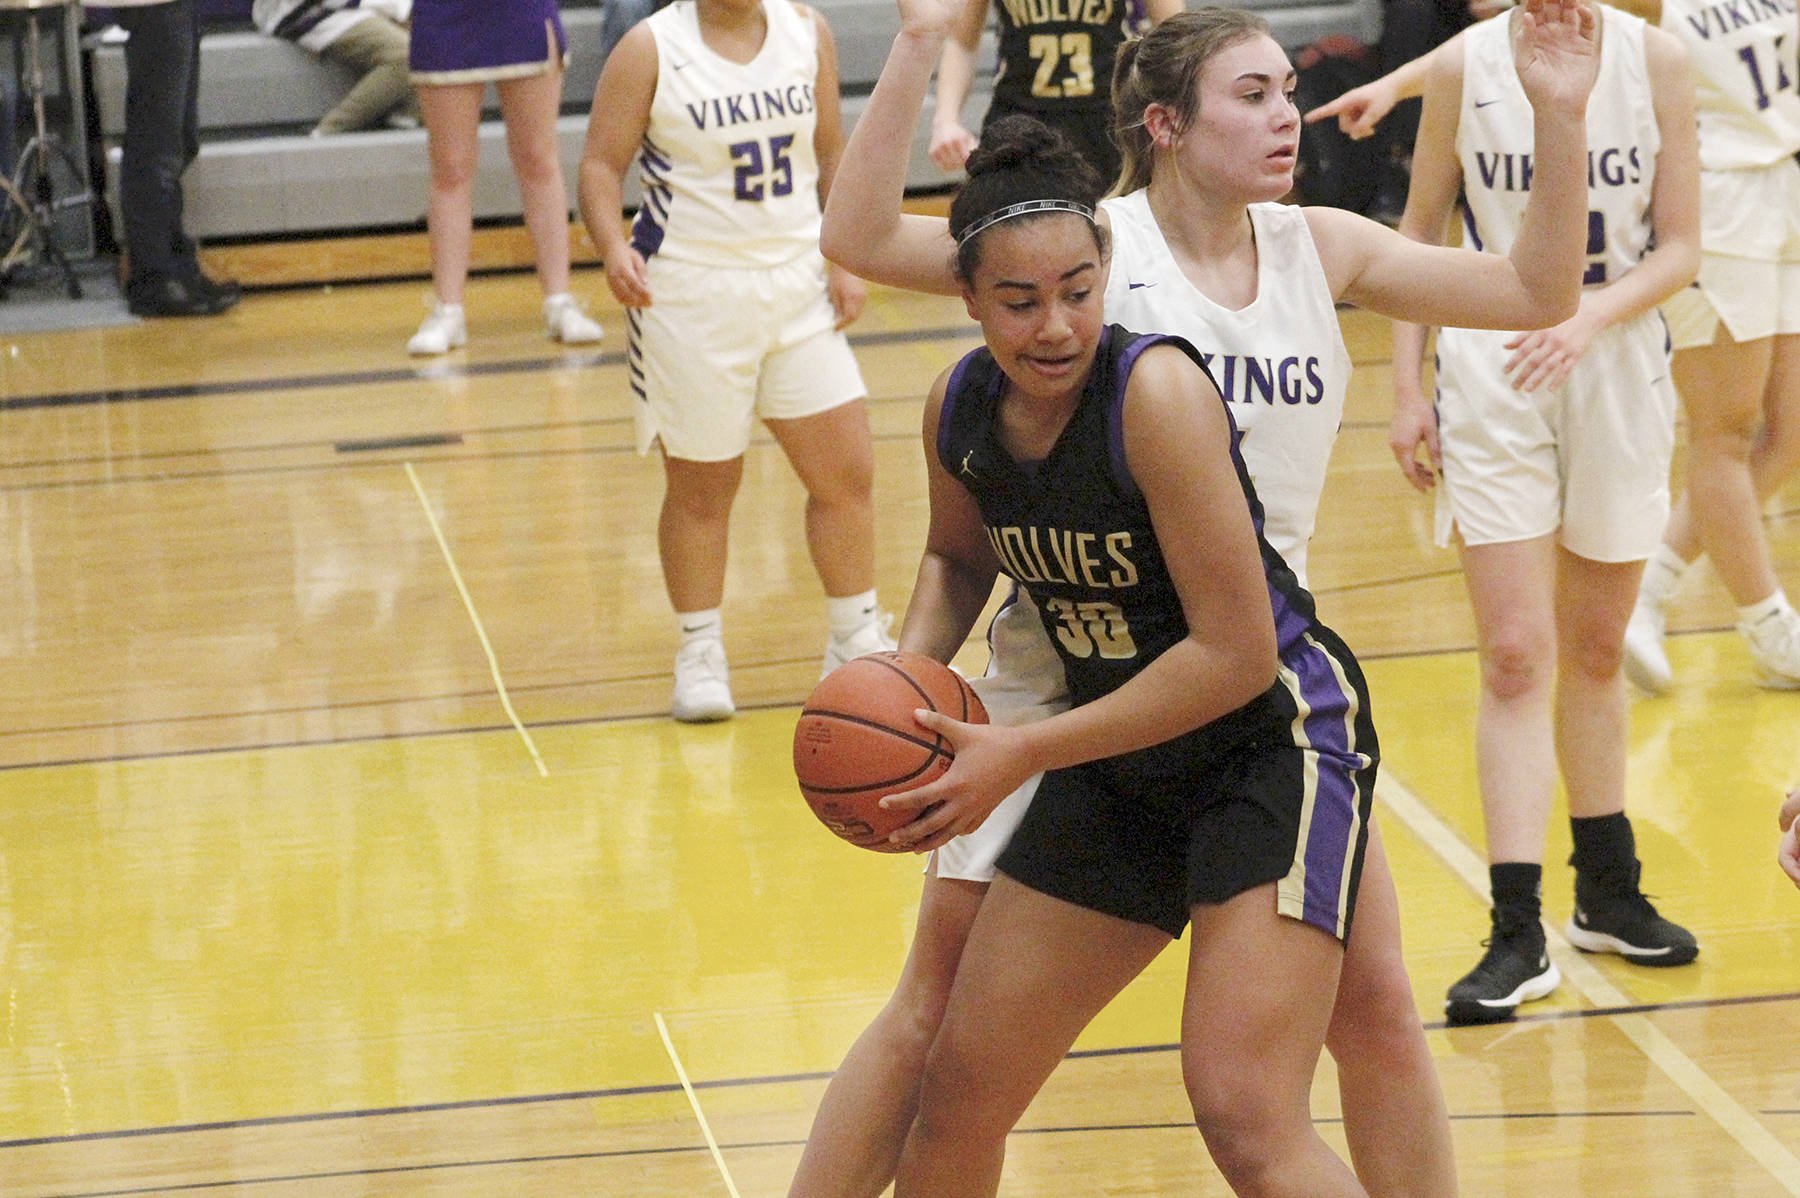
[850,613]
[553,302]
[1752,614]
[694,626]
[1662,574]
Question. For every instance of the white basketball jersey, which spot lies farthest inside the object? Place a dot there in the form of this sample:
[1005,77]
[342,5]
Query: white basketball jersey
[1494,143]
[1280,360]
[729,172]
[1742,54]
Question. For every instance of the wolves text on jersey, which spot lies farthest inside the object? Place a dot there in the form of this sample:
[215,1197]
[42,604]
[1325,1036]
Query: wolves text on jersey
[1074,558]
[1047,12]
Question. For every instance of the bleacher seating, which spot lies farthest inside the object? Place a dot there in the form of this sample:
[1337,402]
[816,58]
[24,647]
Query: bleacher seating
[259,174]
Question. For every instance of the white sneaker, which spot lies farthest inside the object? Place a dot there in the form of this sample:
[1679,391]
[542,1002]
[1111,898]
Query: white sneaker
[1646,664]
[872,637]
[702,684]
[1775,649]
[440,332]
[567,323]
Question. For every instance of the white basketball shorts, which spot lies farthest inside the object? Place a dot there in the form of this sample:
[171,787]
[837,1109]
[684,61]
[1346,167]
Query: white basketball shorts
[719,349]
[1750,258]
[1588,460]
[1024,682]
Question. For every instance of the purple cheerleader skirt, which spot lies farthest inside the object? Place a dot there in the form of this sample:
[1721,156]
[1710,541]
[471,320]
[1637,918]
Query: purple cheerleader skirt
[477,41]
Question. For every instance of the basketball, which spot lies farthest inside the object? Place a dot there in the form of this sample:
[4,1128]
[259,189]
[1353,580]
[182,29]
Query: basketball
[857,741]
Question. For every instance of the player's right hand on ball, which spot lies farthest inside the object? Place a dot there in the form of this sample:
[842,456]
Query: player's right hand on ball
[984,772]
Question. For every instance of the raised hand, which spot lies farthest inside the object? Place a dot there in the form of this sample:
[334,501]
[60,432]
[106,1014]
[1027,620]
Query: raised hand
[1557,51]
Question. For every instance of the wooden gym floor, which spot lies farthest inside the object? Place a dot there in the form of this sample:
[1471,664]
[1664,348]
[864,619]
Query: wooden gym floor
[344,849]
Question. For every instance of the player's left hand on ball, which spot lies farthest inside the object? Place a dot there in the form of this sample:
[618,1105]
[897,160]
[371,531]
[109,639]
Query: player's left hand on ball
[984,772]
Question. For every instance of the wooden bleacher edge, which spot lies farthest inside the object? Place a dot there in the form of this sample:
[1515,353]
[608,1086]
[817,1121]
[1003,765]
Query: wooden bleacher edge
[389,257]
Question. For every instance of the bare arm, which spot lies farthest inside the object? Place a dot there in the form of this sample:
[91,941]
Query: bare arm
[1431,199]
[847,292]
[1538,284]
[1361,109]
[951,140]
[1544,358]
[865,230]
[616,125]
[958,568]
[1177,441]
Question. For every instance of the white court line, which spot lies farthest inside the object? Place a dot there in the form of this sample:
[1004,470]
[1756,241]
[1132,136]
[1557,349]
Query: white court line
[694,1101]
[474,618]
[1593,985]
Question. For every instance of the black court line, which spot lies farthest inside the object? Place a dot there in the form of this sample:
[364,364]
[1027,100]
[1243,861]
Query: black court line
[1693,1004]
[477,729]
[433,372]
[1185,1126]
[752,1145]
[350,463]
[373,737]
[416,441]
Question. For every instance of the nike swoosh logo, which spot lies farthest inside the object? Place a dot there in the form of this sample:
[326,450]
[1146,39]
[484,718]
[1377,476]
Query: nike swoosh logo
[1478,103]
[695,628]
[1135,286]
[681,66]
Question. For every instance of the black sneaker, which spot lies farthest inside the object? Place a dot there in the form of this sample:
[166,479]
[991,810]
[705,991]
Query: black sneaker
[1514,969]
[173,297]
[1621,920]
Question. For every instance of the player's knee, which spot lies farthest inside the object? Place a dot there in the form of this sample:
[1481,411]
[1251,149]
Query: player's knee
[1375,1019]
[452,172]
[1596,660]
[1239,1123]
[955,1100]
[1515,663]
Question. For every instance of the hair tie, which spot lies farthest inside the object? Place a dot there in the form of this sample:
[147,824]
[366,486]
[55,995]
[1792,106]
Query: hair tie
[1025,208]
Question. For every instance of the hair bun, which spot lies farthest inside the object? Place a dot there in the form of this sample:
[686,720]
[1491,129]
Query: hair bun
[1019,142]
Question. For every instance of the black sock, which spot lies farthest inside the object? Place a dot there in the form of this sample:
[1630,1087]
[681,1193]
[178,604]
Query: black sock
[1517,889]
[1605,851]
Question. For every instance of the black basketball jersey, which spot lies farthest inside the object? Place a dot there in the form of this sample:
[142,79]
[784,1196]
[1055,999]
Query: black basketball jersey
[1058,54]
[1075,531]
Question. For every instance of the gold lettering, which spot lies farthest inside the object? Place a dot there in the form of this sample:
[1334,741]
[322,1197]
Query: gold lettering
[1017,555]
[1116,545]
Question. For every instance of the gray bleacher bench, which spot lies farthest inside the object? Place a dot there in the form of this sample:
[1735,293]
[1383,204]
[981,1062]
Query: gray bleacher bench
[260,175]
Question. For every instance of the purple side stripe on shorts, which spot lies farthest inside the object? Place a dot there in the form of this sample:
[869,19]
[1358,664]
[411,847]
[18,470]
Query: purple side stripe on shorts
[1328,723]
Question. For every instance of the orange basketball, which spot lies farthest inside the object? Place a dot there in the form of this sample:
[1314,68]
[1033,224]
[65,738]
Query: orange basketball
[857,741]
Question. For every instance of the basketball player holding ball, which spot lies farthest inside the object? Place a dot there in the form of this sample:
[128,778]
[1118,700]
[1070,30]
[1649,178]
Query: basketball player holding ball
[1100,464]
[1200,249]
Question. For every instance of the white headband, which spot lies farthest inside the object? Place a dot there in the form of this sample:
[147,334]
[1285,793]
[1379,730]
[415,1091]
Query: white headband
[1025,208]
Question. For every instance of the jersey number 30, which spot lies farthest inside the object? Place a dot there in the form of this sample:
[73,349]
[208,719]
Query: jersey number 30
[1083,627]
[753,173]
